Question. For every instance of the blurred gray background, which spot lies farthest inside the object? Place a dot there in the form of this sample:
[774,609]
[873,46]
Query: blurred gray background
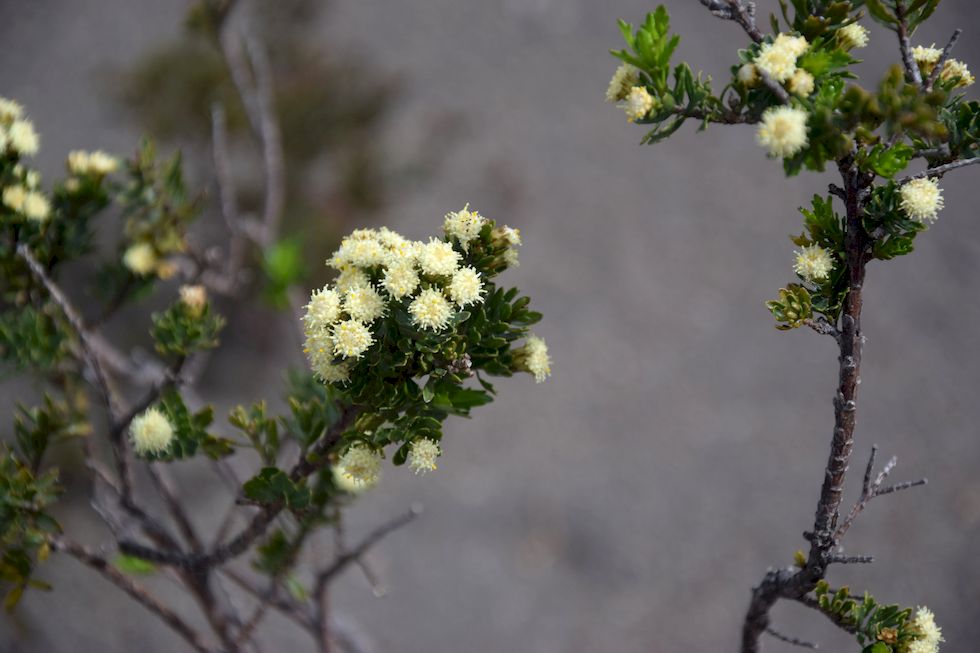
[631,502]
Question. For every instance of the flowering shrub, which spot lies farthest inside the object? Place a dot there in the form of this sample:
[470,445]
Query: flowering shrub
[406,335]
[798,89]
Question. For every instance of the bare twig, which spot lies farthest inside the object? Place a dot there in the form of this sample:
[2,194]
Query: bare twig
[795,641]
[911,67]
[939,171]
[934,75]
[736,10]
[822,326]
[139,593]
[850,560]
[163,486]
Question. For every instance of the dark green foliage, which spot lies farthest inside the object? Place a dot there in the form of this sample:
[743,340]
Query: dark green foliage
[871,620]
[32,338]
[815,18]
[25,524]
[273,486]
[893,231]
[181,330]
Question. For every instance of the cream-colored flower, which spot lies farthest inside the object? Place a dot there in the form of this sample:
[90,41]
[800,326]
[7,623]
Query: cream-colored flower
[813,263]
[400,279]
[748,74]
[362,252]
[319,347]
[351,277]
[422,455]
[927,58]
[141,259]
[639,103]
[322,310]
[344,483]
[922,199]
[625,78]
[361,465]
[466,287]
[783,131]
[351,339]
[956,70]
[464,225]
[151,432]
[363,303]
[778,59]
[801,83]
[852,36]
[430,310]
[36,206]
[22,137]
[438,258]
[97,163]
[10,110]
[930,635]
[533,357]
[195,298]
[14,197]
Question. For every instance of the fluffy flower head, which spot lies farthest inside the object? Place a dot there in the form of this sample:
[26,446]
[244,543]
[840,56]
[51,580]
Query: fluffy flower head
[533,357]
[323,309]
[430,310]
[97,163]
[638,104]
[922,199]
[351,339]
[853,36]
[194,298]
[464,225]
[422,455]
[23,138]
[748,74]
[438,258]
[140,259]
[10,110]
[351,277]
[930,635]
[801,83]
[625,78]
[361,466]
[151,432]
[783,131]
[364,303]
[778,59]
[466,287]
[927,58]
[14,197]
[36,206]
[813,263]
[400,279]
[319,350]
[957,70]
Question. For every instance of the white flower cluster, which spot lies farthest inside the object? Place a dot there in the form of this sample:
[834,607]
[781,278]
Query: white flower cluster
[378,267]
[783,131]
[358,469]
[96,163]
[853,36]
[16,132]
[534,358]
[151,432]
[953,70]
[930,635]
[922,199]
[633,98]
[813,263]
[17,135]
[778,59]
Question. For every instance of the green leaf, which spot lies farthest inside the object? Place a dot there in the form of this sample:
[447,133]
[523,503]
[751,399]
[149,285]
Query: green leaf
[133,565]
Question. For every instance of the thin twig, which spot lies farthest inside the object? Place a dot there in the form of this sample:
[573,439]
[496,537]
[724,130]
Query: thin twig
[911,67]
[939,171]
[795,641]
[934,75]
[136,591]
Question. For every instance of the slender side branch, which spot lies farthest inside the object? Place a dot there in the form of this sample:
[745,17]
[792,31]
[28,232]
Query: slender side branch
[795,641]
[934,75]
[939,171]
[136,591]
[911,67]
[736,10]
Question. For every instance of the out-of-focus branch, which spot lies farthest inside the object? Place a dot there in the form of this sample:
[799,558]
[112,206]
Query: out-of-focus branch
[934,75]
[736,10]
[939,171]
[134,590]
[911,67]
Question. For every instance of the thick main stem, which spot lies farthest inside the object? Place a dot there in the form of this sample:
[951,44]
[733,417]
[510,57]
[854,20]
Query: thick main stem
[792,583]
